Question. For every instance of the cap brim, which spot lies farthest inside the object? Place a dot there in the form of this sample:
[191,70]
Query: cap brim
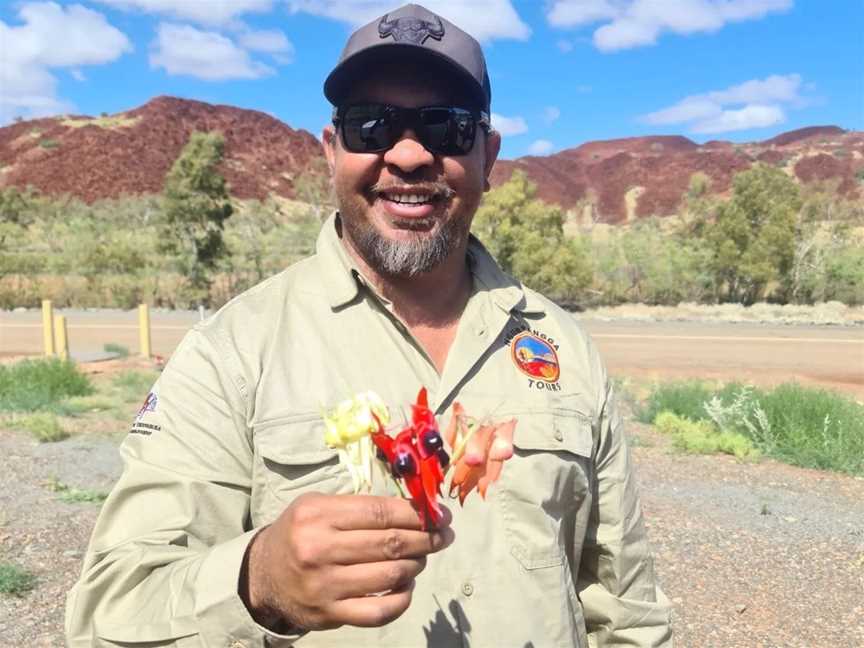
[338,83]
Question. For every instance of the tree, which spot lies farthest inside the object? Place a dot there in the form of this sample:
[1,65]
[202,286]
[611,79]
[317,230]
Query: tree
[526,236]
[196,204]
[752,239]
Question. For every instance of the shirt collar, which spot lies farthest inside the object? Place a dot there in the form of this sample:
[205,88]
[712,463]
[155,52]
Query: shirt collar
[339,274]
[343,281]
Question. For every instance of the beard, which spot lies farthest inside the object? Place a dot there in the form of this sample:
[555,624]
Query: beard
[420,253]
[424,247]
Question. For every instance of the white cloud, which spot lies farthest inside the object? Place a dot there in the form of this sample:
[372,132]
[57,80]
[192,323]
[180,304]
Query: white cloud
[751,116]
[634,23]
[753,104]
[483,19]
[271,41]
[509,125]
[185,50]
[551,114]
[540,147]
[208,12]
[51,36]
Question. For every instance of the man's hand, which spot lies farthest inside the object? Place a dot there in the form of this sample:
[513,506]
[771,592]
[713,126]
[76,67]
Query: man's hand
[333,560]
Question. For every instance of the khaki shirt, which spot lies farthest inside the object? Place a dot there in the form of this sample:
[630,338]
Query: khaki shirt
[232,432]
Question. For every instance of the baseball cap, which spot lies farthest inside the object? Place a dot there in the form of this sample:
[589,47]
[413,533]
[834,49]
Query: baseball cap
[413,31]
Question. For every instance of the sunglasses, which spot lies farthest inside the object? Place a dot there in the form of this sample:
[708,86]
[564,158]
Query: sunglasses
[375,127]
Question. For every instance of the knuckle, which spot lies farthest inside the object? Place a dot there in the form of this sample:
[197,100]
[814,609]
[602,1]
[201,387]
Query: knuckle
[380,513]
[394,545]
[396,576]
[306,554]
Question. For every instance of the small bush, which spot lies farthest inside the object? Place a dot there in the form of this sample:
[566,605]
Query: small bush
[814,428]
[14,580]
[701,437]
[44,427]
[119,349]
[32,385]
[71,495]
[685,399]
[134,385]
[49,143]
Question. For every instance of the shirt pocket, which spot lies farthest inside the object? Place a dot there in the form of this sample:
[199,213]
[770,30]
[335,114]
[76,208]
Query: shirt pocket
[291,458]
[545,484]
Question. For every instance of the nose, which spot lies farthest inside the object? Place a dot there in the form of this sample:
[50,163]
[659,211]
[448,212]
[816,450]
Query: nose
[408,154]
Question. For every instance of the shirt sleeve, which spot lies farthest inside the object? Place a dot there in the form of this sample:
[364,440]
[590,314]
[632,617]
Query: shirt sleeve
[164,560]
[622,603]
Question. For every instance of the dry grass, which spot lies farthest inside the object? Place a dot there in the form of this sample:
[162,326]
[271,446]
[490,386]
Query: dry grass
[113,121]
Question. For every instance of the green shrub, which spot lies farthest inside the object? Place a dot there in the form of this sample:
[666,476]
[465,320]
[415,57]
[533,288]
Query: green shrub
[119,349]
[32,385]
[686,398]
[808,427]
[70,495]
[701,437]
[44,427]
[14,580]
[134,385]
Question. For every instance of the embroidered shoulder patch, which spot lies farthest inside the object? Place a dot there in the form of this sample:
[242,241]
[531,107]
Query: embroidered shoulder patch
[535,357]
[149,405]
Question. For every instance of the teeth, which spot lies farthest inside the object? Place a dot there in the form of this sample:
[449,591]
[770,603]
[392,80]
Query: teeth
[412,199]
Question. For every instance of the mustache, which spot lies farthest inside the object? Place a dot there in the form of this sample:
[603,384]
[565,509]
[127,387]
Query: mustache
[437,189]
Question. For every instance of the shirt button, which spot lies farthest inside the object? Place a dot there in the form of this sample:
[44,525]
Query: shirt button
[559,436]
[467,589]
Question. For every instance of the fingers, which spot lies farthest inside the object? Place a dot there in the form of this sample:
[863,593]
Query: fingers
[365,546]
[372,512]
[373,611]
[352,581]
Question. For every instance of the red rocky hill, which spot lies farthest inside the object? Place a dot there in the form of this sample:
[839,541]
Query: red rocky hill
[608,181]
[130,153]
[618,180]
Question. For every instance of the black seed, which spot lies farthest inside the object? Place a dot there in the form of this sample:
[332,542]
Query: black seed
[432,441]
[404,465]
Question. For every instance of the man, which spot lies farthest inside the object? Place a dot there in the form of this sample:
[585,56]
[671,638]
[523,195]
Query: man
[233,525]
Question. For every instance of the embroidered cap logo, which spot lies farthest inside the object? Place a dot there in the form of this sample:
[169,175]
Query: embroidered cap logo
[409,30]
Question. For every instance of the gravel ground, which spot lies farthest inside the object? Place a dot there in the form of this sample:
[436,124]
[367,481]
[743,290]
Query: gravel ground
[752,555]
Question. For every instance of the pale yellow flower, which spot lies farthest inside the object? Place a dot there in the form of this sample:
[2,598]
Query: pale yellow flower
[348,428]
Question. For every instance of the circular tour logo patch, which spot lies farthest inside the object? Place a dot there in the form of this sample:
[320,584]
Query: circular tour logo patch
[535,357]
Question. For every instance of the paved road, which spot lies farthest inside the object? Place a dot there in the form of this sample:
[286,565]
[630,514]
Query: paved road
[765,354]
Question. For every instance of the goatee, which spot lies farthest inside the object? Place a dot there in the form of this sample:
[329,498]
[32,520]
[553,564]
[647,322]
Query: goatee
[420,253]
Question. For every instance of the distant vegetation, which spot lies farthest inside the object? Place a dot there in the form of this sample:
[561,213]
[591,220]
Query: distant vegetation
[808,427]
[770,240]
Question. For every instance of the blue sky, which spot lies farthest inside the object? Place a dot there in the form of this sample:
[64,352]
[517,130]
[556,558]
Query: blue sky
[563,71]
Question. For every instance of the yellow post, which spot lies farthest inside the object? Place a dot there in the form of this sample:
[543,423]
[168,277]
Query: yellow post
[144,329]
[48,327]
[62,339]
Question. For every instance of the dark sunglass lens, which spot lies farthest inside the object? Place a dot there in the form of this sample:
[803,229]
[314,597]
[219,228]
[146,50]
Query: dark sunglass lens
[449,131]
[367,128]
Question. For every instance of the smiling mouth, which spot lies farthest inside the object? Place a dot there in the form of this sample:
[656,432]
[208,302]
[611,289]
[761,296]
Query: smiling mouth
[408,199]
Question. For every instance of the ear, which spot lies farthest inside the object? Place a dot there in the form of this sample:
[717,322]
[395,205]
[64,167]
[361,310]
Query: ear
[328,139]
[493,146]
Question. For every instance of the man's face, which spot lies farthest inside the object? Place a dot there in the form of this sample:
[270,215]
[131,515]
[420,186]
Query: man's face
[406,209]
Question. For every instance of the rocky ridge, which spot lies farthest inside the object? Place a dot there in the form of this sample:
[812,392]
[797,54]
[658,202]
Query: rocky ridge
[612,181]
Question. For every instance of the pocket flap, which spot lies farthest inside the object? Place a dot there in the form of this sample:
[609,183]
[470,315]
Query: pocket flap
[556,432]
[294,442]
[133,633]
